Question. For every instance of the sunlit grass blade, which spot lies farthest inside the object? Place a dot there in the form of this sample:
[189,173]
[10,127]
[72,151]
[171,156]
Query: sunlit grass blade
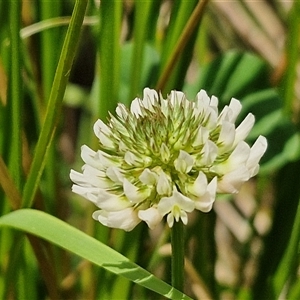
[54,103]
[55,231]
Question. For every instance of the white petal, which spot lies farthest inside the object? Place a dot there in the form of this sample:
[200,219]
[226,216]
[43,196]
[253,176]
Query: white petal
[90,193]
[170,220]
[166,204]
[149,98]
[121,111]
[204,203]
[235,107]
[176,98]
[165,107]
[151,216]
[226,137]
[90,171]
[78,178]
[125,219]
[201,136]
[102,131]
[257,151]
[131,158]
[208,154]
[148,177]
[118,125]
[183,217]
[214,102]
[239,156]
[100,127]
[202,100]
[163,186]
[115,174]
[244,128]
[211,118]
[88,156]
[135,107]
[98,160]
[198,188]
[237,159]
[223,116]
[91,177]
[111,202]
[134,194]
[231,182]
[184,162]
[177,214]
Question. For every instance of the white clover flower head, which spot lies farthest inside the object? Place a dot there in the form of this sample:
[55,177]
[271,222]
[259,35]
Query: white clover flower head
[166,157]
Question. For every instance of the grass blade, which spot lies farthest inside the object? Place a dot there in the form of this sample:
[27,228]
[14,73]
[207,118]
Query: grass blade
[55,101]
[55,231]
[110,55]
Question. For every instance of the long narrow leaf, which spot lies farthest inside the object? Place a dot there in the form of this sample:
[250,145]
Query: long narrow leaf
[63,235]
[15,93]
[54,104]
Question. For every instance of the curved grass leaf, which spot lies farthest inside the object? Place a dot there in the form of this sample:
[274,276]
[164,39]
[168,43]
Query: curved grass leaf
[65,236]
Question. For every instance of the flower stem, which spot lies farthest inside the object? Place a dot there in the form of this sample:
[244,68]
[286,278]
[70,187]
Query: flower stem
[177,241]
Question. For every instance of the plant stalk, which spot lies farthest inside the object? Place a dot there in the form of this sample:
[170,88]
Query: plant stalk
[177,241]
[55,102]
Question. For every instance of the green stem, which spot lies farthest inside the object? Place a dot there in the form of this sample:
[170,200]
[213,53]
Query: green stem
[15,93]
[177,241]
[292,57]
[55,102]
[110,55]
[290,258]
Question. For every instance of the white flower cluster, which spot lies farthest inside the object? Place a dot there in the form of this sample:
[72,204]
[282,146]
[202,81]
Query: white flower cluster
[166,157]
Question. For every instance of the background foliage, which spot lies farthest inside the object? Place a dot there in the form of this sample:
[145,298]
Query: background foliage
[246,248]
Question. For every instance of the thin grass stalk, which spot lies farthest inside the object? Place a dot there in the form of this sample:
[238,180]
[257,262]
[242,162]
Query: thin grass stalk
[110,55]
[290,258]
[181,43]
[12,270]
[292,54]
[177,241]
[55,102]
[9,186]
[15,93]
[142,13]
[12,178]
[49,58]
[46,266]
[294,292]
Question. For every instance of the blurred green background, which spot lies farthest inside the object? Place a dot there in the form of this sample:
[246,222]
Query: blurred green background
[248,246]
